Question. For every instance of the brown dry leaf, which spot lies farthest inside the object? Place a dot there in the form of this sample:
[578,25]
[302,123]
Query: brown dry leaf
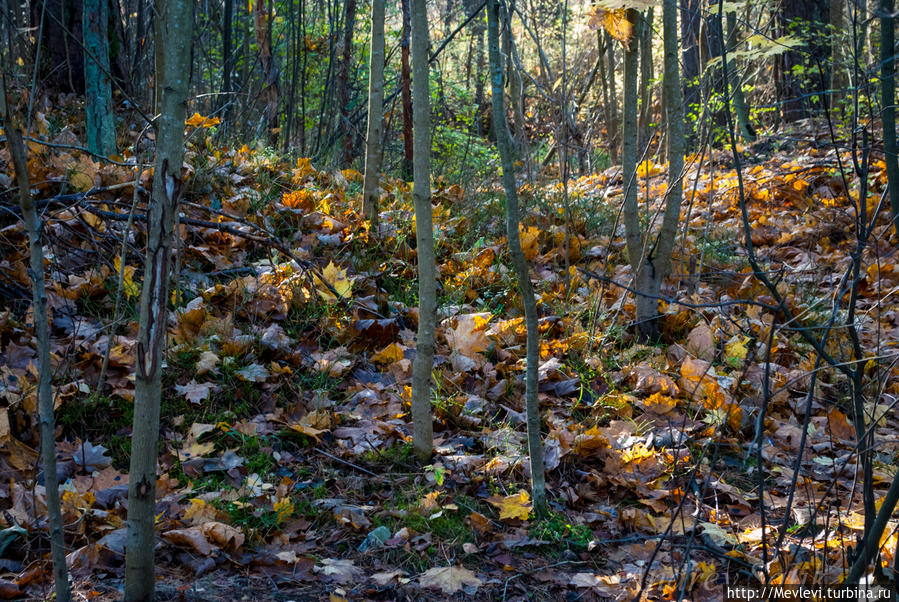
[4,426]
[839,425]
[387,577]
[467,340]
[9,589]
[207,362]
[701,342]
[191,537]
[590,441]
[228,537]
[341,571]
[450,579]
[479,522]
[195,392]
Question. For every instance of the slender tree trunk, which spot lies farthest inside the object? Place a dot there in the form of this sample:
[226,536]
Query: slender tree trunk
[100,121]
[690,20]
[343,84]
[741,109]
[302,126]
[423,435]
[375,116]
[174,24]
[641,264]
[674,118]
[888,101]
[271,87]
[837,72]
[140,48]
[227,58]
[645,77]
[477,32]
[406,81]
[42,335]
[504,145]
[614,124]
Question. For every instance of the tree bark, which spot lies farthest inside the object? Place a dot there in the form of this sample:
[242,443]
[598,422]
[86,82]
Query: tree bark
[644,273]
[406,80]
[227,57]
[741,109]
[674,118]
[888,101]
[174,24]
[645,78]
[690,19]
[100,121]
[42,336]
[375,128]
[423,428]
[614,124]
[796,96]
[343,84]
[271,87]
[506,152]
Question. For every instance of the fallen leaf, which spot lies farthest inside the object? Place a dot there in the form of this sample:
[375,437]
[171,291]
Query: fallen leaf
[195,392]
[513,506]
[450,579]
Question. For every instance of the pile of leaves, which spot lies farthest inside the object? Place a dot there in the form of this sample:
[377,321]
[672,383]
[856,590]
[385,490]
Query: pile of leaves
[284,450]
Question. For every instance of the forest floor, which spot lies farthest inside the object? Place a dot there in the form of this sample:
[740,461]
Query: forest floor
[286,469]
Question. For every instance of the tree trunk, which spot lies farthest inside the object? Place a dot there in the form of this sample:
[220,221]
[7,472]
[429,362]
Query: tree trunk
[375,129]
[99,122]
[227,58]
[645,78]
[888,95]
[674,118]
[42,336]
[406,77]
[690,20]
[798,96]
[641,265]
[837,73]
[271,87]
[613,126]
[343,84]
[477,32]
[174,24]
[504,146]
[423,435]
[741,109]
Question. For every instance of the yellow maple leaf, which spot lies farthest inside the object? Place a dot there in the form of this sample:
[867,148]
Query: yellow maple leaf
[337,278]
[284,508]
[513,506]
[129,286]
[197,120]
[735,350]
[529,244]
[390,354]
[613,21]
